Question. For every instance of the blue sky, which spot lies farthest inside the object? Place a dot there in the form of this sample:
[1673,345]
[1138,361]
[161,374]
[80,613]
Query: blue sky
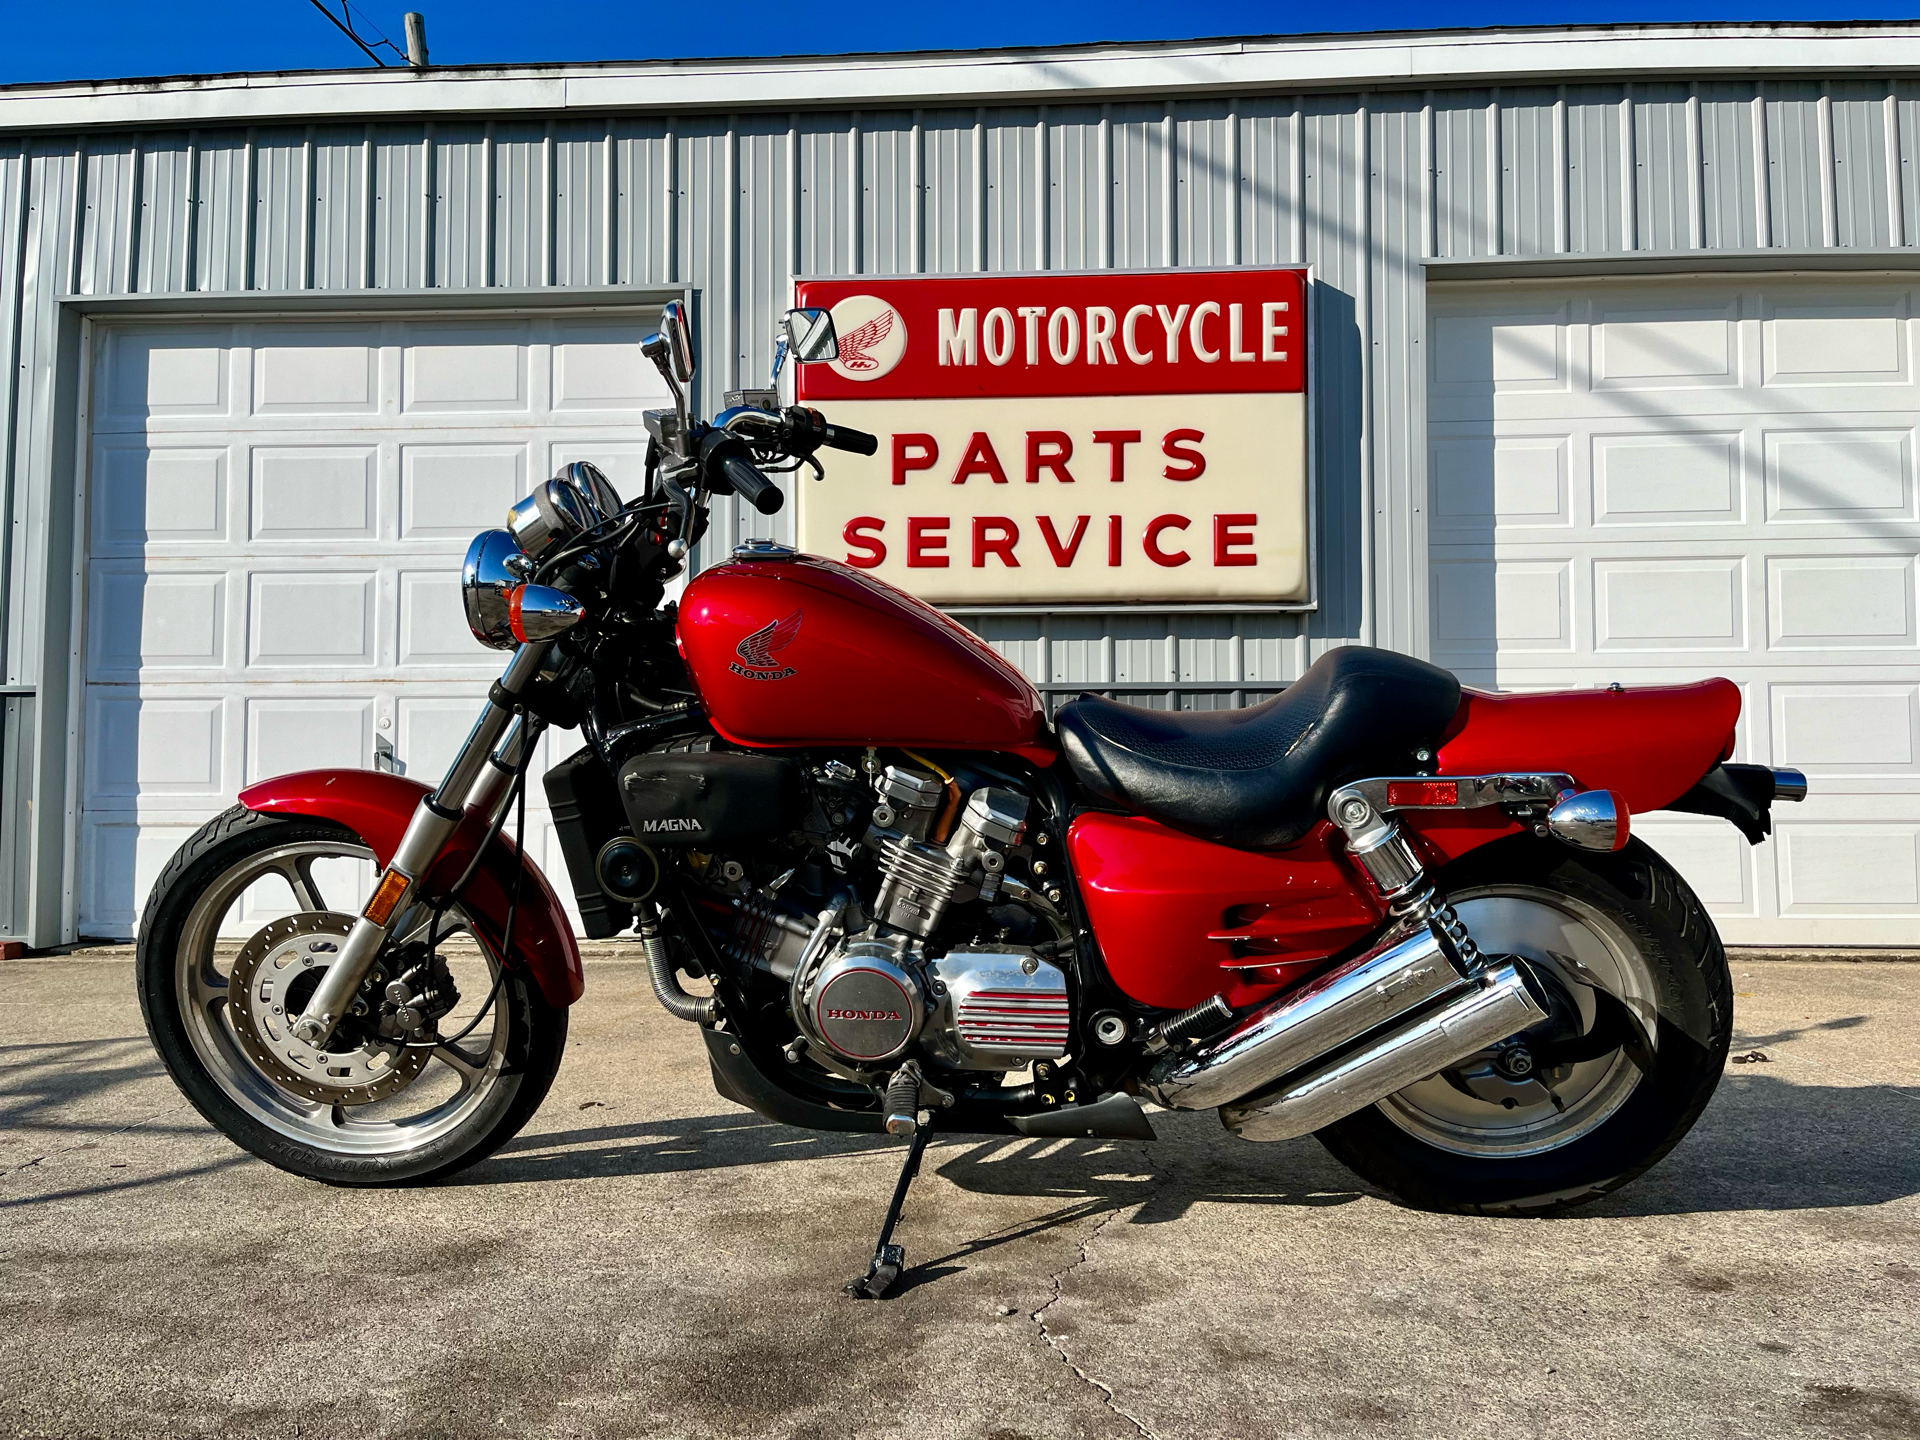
[44,40]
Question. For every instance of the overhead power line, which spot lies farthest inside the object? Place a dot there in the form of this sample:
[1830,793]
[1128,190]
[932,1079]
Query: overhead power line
[343,22]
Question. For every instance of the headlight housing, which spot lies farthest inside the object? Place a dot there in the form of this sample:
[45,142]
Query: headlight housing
[494,566]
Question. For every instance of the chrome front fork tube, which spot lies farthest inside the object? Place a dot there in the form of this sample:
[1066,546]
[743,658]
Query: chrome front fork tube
[1380,847]
[480,773]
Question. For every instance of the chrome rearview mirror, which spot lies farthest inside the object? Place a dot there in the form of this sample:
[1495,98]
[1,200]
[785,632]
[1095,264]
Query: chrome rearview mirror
[810,336]
[671,347]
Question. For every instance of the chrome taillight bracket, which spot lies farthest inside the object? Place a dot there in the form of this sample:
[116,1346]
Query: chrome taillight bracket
[1386,793]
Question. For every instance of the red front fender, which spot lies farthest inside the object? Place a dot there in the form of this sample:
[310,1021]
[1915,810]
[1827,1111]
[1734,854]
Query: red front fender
[377,806]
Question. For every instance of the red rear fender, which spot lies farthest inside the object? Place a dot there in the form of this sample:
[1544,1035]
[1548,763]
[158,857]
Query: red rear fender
[377,807]
[1651,743]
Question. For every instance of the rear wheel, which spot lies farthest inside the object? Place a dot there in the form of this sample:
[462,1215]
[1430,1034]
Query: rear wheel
[1637,1035]
[372,1108]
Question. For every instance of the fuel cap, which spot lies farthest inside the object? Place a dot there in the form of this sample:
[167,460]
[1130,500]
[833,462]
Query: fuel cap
[763,550]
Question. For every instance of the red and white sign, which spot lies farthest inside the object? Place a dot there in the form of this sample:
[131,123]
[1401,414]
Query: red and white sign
[1046,438]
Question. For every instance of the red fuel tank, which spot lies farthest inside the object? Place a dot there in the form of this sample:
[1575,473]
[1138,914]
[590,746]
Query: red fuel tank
[804,651]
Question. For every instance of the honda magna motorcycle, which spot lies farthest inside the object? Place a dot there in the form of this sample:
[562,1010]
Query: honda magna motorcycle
[1378,908]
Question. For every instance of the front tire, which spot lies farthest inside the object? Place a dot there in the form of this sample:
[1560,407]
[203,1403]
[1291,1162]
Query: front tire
[1626,924]
[439,1123]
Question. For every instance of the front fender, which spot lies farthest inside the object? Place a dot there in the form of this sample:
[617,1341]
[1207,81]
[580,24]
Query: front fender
[377,806]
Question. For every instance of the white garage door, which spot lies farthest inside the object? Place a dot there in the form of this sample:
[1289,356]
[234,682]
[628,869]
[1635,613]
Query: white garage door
[1662,481]
[278,515]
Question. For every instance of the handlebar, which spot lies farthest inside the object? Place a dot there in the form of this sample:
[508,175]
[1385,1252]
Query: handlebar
[749,484]
[845,437]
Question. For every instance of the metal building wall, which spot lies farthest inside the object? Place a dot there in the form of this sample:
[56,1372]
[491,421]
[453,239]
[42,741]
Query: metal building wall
[1364,187]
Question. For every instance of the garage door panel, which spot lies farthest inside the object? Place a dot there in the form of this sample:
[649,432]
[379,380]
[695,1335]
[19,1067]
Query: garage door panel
[1670,603]
[466,369]
[146,747]
[453,491]
[1511,353]
[1673,347]
[1484,606]
[1850,869]
[1841,602]
[331,370]
[1836,476]
[433,624]
[314,492]
[1679,477]
[289,733]
[1861,730]
[1864,339]
[143,619]
[164,374]
[311,618]
[597,366]
[158,496]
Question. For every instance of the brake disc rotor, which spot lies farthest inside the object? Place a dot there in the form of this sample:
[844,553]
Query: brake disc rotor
[271,981]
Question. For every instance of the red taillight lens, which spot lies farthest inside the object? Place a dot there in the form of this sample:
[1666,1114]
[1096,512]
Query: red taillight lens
[1417,794]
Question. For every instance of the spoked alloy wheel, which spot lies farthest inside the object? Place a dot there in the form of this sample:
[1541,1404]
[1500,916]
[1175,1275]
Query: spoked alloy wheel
[1640,1016]
[371,1108]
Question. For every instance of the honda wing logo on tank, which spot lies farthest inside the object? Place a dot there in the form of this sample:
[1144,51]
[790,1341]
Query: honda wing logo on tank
[756,652]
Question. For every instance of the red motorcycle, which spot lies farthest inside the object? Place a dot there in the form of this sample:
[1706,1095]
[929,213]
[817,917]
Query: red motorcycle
[1377,908]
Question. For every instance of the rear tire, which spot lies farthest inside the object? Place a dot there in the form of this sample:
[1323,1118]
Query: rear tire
[175,963]
[1640,907]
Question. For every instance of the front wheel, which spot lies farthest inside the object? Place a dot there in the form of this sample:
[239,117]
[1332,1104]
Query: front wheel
[1640,1019]
[375,1107]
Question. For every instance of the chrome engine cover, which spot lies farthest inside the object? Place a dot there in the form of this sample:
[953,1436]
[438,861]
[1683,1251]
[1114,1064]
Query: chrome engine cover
[999,1007]
[865,1003]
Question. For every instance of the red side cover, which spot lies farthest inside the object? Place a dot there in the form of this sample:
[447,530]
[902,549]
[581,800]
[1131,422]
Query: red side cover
[377,806]
[1179,919]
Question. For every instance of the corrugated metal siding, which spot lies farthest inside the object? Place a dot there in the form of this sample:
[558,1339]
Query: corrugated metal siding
[1361,186]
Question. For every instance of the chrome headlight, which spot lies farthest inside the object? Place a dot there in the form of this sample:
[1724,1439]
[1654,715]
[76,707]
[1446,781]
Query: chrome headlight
[494,566]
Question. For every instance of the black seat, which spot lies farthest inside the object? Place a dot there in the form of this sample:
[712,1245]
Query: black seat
[1258,778]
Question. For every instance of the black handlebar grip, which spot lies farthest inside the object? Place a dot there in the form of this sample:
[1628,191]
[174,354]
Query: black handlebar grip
[750,485]
[843,437]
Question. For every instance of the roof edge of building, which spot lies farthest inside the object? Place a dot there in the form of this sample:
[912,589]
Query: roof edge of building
[1109,70]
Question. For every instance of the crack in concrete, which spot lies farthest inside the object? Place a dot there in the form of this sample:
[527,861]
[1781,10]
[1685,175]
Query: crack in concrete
[1057,1282]
[144,1120]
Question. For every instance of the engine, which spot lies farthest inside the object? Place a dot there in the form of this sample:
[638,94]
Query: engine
[940,957]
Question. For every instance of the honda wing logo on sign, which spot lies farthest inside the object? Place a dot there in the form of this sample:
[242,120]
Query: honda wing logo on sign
[756,652]
[872,337]
[1110,438]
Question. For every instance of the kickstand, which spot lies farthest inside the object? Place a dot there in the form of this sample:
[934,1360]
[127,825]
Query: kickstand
[890,1259]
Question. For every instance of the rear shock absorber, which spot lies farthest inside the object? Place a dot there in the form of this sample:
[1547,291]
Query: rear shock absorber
[1376,841]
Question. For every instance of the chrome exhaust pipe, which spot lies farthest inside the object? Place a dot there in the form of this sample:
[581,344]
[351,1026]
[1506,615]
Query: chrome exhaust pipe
[1403,973]
[1501,1004]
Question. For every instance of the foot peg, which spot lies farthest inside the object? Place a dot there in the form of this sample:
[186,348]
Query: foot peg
[889,1259]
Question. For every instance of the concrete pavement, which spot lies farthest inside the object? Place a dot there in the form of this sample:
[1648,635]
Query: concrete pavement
[647,1259]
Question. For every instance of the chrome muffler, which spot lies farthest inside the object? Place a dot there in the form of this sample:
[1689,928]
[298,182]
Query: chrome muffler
[1282,1071]
[1500,1004]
